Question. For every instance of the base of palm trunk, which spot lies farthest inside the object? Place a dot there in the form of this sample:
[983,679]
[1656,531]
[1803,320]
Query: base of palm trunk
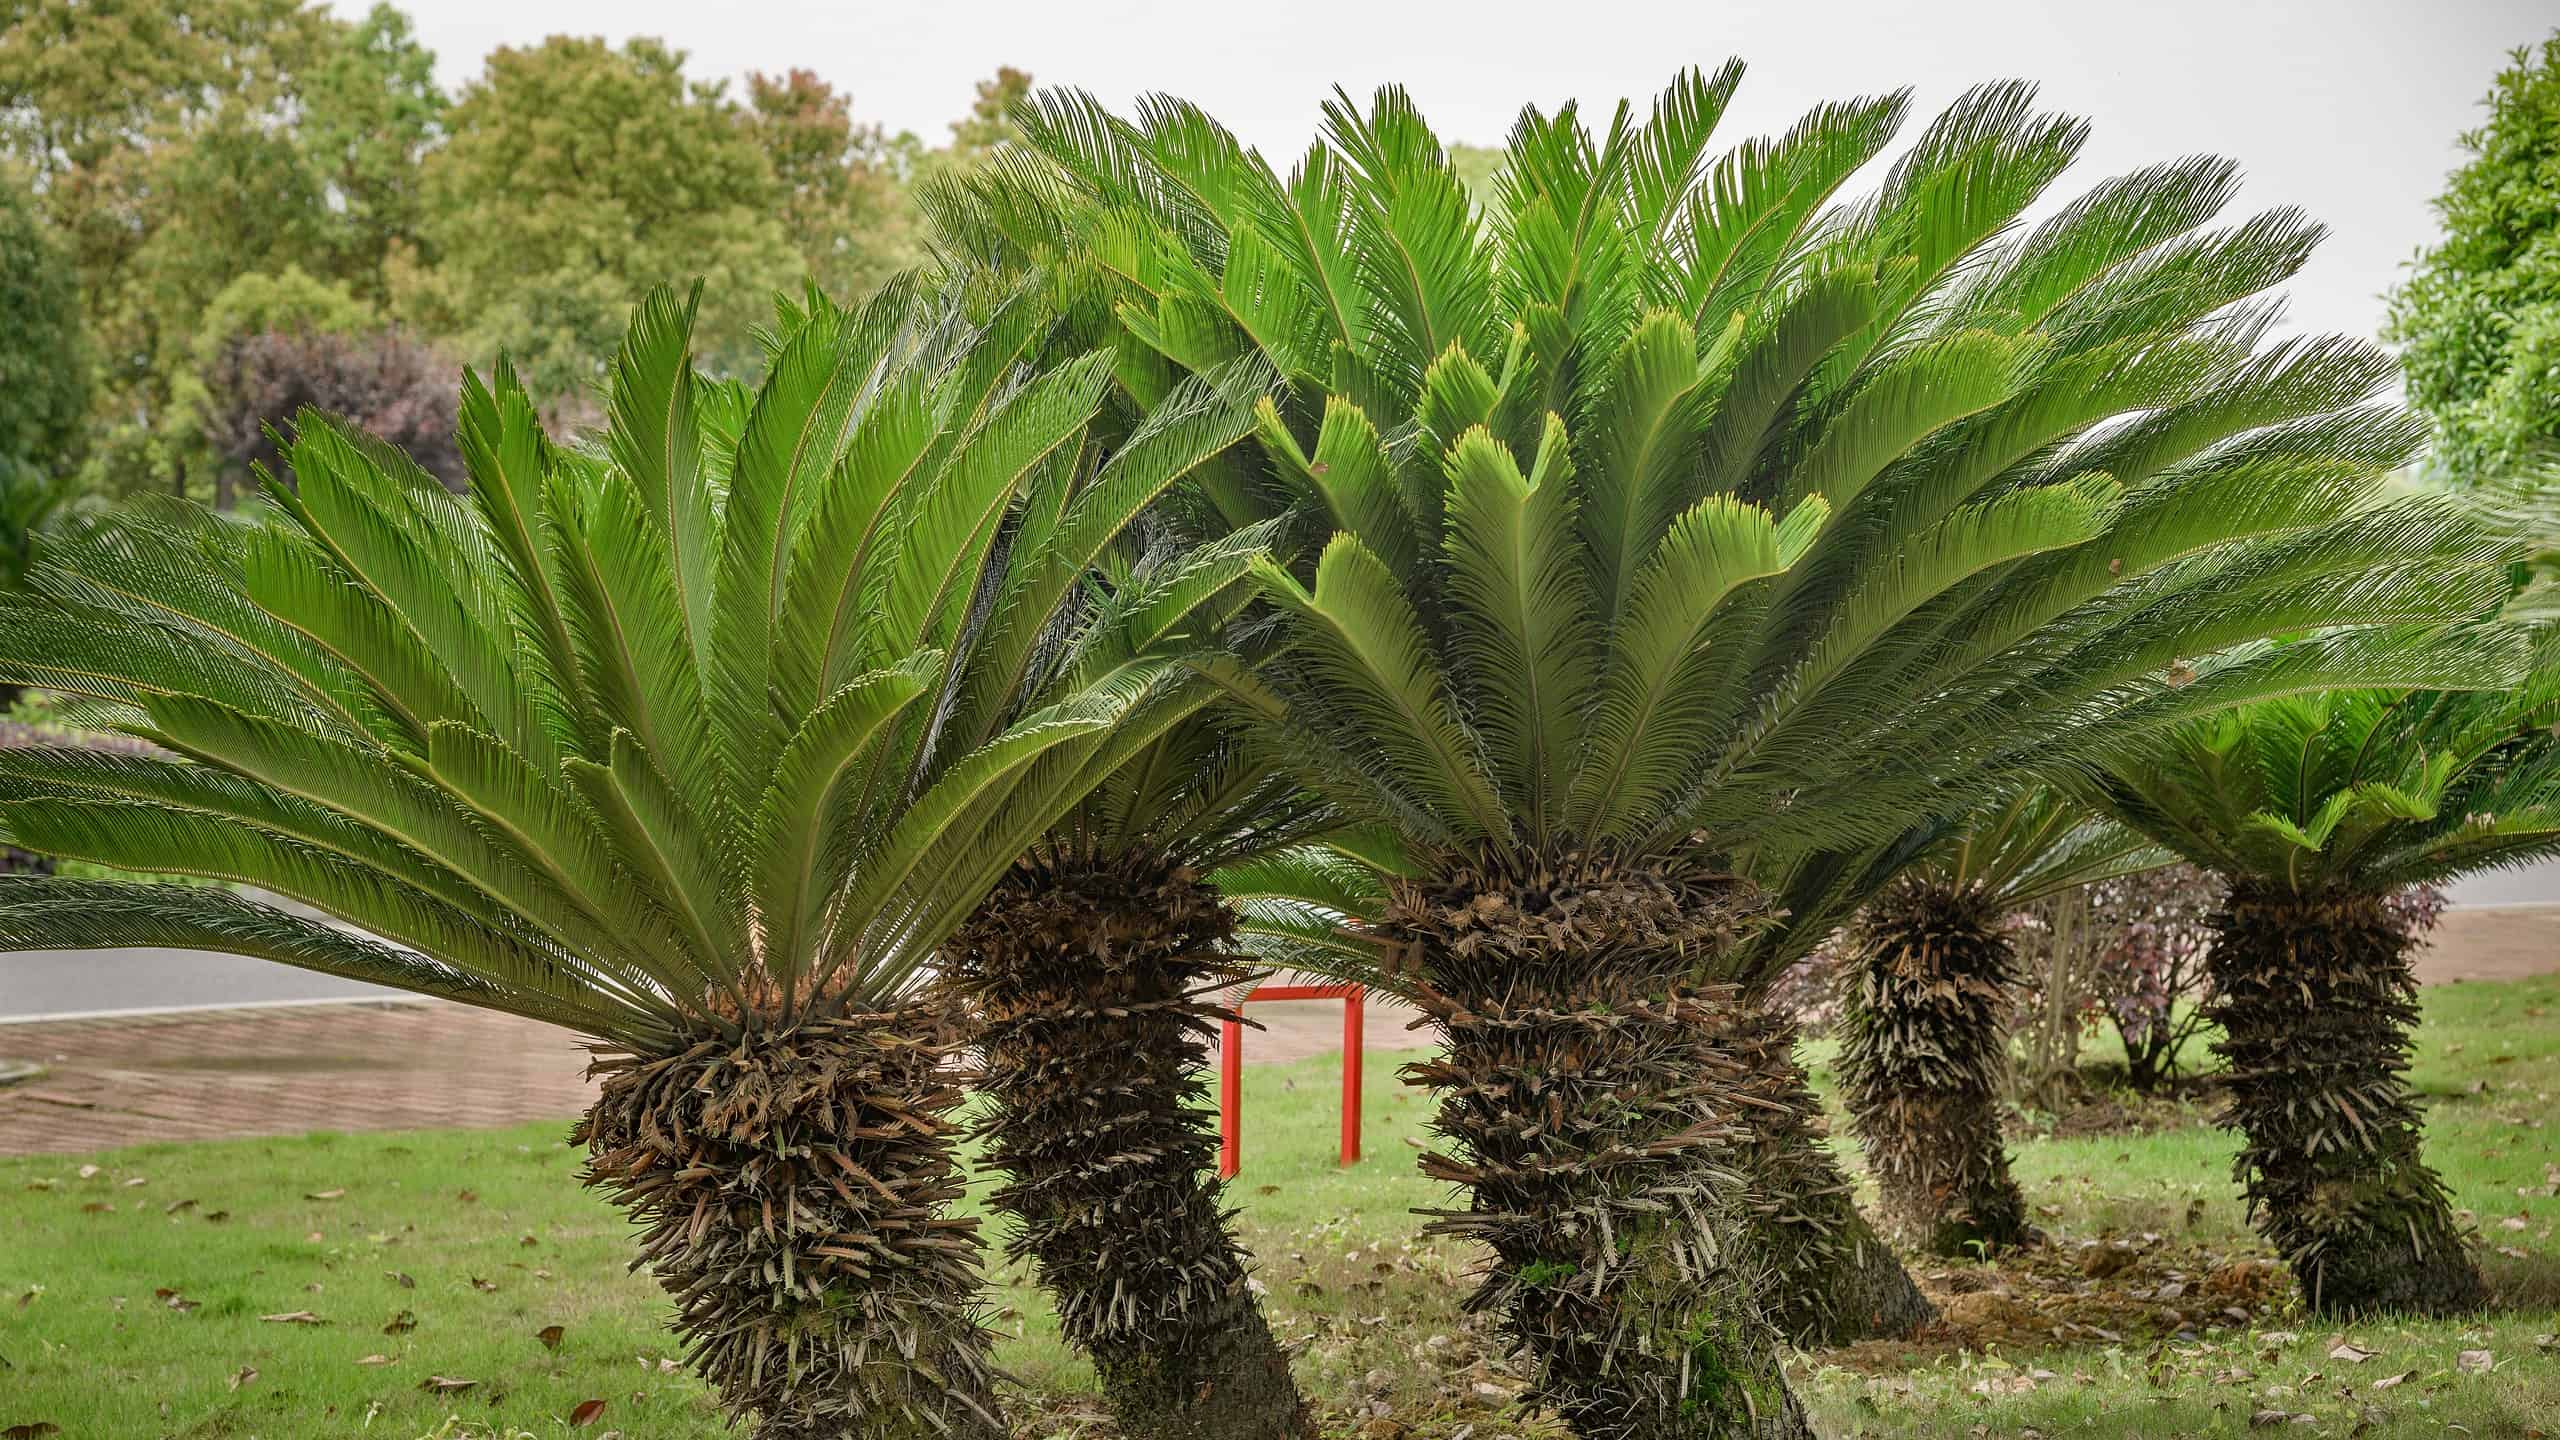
[2315,997]
[1593,1129]
[791,1191]
[1832,1280]
[1085,975]
[1924,1056]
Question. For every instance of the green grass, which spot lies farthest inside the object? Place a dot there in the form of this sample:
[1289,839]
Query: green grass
[483,1239]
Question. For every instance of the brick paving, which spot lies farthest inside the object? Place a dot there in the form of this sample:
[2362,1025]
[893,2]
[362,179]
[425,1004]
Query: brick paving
[203,1075]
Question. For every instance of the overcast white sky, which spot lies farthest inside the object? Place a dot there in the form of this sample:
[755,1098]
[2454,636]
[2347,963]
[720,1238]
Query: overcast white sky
[2348,108]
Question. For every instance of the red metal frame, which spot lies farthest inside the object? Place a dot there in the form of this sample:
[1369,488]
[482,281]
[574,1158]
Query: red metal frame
[1354,1000]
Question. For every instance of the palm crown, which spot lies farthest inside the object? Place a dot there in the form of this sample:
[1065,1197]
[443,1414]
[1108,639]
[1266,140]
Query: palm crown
[1669,499]
[730,717]
[2356,790]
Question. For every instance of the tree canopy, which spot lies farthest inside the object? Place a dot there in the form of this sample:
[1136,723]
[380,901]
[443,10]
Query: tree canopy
[2479,319]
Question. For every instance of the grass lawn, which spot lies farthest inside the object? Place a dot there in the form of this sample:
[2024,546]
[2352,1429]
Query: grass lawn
[408,1285]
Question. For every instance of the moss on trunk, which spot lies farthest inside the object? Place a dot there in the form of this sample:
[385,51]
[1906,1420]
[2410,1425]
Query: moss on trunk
[792,1189]
[1085,974]
[1924,1057]
[1831,1279]
[2315,998]
[1592,1127]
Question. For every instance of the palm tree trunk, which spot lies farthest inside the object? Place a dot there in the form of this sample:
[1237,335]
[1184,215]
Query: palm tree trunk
[1924,1057]
[1832,1280]
[2315,997]
[791,1190]
[1593,1128]
[1085,973]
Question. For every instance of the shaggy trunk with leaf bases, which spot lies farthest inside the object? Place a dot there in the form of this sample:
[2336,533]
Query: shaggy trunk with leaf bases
[1594,1133]
[791,1189]
[1831,1279]
[1086,976]
[1924,1058]
[2315,997]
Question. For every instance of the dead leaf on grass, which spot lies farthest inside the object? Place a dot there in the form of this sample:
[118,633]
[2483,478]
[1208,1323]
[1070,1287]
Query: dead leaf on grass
[445,1384]
[549,1335]
[586,1412]
[294,1317]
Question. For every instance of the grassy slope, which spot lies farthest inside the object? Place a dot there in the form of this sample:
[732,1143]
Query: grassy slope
[496,1242]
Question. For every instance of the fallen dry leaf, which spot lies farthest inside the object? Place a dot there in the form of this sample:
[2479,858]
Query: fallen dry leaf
[586,1412]
[401,1324]
[32,1430]
[2388,1381]
[549,1335]
[2351,1352]
[445,1384]
[375,1360]
[294,1317]
[339,1194]
[401,1280]
[2475,1362]
[88,1172]
[247,1374]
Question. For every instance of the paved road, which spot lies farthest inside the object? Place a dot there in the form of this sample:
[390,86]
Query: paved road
[74,982]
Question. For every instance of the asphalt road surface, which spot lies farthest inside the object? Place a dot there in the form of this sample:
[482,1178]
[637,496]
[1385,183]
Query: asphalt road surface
[73,982]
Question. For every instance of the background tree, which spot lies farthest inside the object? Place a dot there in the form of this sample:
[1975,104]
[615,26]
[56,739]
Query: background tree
[2479,318]
[575,176]
[370,112]
[44,372]
[387,383]
[2317,812]
[101,105]
[845,204]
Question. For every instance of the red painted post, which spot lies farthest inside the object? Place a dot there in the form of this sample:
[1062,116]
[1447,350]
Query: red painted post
[1231,1096]
[1352,1056]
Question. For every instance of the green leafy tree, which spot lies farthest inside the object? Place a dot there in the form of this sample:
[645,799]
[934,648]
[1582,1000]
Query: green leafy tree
[647,741]
[44,375]
[990,121]
[1924,1028]
[1673,518]
[574,177]
[845,203]
[2479,318]
[370,111]
[134,118]
[2317,811]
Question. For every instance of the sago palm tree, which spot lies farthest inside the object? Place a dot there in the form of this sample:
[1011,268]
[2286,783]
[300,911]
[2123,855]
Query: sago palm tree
[1087,971]
[653,741]
[2316,810]
[1679,513]
[1924,1027]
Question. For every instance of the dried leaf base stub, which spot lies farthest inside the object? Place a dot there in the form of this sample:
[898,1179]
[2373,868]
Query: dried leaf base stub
[1924,1057]
[2315,997]
[1085,973]
[1832,1280]
[1592,1130]
[791,1189]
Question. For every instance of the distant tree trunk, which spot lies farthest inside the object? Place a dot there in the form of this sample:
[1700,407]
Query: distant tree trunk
[1592,1128]
[793,1191]
[2315,997]
[1924,1060]
[1085,973]
[1831,1279]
